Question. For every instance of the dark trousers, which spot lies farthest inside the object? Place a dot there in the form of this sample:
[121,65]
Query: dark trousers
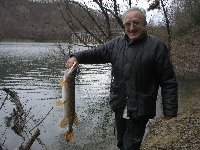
[130,133]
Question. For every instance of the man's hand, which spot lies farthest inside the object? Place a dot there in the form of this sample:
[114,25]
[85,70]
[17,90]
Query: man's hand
[70,62]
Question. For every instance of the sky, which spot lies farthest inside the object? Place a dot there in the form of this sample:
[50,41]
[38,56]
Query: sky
[154,16]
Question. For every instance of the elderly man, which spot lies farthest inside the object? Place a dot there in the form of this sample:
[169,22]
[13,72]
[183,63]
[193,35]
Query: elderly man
[140,64]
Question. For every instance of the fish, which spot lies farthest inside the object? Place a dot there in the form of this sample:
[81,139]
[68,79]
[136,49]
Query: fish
[70,118]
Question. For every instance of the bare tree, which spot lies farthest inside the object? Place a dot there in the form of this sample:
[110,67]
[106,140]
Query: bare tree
[167,23]
[157,4]
[102,24]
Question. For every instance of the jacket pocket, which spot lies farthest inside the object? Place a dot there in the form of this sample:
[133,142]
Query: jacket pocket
[116,102]
[146,105]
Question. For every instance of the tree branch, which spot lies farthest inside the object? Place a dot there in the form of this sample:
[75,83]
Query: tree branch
[42,119]
[28,145]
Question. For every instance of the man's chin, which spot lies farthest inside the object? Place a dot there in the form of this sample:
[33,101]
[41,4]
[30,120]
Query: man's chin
[132,38]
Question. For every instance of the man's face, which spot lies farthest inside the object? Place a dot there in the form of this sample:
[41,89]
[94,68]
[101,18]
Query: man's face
[134,24]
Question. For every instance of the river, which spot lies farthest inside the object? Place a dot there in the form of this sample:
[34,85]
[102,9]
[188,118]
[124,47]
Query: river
[33,71]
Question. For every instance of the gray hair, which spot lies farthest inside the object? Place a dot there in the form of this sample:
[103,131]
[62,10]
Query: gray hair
[135,8]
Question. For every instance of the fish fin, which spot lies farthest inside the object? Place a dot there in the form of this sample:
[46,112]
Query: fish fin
[61,81]
[69,136]
[59,102]
[76,119]
[63,123]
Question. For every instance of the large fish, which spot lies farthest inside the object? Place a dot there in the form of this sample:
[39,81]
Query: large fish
[68,102]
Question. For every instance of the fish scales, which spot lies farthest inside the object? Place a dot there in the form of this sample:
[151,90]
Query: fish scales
[68,99]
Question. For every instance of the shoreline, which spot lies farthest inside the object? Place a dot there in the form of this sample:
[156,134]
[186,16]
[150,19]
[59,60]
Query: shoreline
[31,40]
[181,132]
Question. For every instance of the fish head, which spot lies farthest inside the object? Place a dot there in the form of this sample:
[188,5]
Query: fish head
[71,72]
[73,68]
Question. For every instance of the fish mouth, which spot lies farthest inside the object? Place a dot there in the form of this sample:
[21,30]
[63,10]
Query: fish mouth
[73,68]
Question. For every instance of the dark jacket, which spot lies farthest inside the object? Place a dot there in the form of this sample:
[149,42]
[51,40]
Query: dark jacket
[138,69]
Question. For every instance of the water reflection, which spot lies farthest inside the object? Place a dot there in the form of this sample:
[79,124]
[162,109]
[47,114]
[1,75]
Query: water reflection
[33,71]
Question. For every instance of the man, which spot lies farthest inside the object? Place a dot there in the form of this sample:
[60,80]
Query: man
[140,64]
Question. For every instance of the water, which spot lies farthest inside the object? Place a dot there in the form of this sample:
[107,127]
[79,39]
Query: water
[33,71]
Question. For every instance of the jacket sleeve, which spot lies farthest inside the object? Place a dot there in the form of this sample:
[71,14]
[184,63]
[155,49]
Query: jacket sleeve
[97,55]
[167,81]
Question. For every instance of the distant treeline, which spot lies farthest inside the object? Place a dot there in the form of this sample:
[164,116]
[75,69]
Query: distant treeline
[24,19]
[42,21]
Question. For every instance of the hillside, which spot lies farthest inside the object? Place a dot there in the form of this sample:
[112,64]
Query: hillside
[21,19]
[186,53]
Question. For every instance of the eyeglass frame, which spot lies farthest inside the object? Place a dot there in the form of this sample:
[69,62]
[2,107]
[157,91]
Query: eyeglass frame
[134,23]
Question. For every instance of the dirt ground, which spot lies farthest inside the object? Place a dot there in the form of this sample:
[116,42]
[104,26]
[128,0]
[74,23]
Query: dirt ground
[180,133]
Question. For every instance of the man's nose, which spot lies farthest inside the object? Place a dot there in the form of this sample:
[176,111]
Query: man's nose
[132,26]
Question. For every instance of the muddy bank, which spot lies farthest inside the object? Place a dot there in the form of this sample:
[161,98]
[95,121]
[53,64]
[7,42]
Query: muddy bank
[178,133]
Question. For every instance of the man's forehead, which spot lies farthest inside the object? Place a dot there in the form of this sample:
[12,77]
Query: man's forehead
[133,20]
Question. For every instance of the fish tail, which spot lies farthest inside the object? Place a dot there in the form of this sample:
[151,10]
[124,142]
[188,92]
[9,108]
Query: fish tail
[76,119]
[63,123]
[69,136]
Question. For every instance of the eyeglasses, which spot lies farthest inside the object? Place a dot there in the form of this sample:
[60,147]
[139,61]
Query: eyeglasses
[134,23]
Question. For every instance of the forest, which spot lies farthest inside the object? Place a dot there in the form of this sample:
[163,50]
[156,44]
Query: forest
[23,19]
[56,20]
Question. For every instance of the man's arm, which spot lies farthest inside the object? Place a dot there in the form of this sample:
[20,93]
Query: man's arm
[167,81]
[98,55]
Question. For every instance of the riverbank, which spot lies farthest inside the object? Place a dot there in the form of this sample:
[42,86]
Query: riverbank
[178,133]
[185,55]
[182,132]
